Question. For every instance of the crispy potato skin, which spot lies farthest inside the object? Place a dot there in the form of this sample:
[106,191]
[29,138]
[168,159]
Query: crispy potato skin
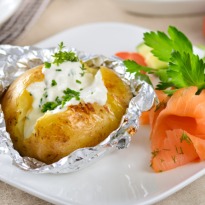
[57,135]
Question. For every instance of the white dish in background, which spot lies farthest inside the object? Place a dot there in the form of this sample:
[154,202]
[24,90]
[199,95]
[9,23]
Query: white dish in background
[123,177]
[162,7]
[7,9]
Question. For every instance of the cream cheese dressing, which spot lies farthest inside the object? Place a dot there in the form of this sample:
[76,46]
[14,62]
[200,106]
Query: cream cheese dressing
[57,79]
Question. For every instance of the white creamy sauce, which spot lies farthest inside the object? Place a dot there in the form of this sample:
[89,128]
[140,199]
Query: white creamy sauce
[57,79]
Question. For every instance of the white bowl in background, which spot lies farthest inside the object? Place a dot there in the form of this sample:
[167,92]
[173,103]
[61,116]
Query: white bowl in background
[163,7]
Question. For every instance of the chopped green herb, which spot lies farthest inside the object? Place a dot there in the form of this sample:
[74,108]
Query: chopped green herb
[83,67]
[58,100]
[174,158]
[49,106]
[45,95]
[58,70]
[179,151]
[185,138]
[78,81]
[47,65]
[63,56]
[53,83]
[155,153]
[69,94]
[82,74]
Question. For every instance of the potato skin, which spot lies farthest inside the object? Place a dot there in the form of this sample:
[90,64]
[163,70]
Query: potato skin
[57,135]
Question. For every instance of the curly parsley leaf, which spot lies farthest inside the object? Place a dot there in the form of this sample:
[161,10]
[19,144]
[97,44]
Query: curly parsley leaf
[161,73]
[162,45]
[179,40]
[133,67]
[170,92]
[184,67]
[163,85]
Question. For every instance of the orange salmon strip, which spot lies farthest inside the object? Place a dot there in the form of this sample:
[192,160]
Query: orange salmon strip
[178,130]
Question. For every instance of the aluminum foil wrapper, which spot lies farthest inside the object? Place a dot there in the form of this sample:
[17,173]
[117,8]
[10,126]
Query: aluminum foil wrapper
[15,60]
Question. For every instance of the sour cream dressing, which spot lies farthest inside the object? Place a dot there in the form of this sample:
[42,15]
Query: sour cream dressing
[57,79]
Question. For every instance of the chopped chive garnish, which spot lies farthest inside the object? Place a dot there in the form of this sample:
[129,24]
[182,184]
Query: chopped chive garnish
[63,56]
[53,83]
[69,94]
[186,138]
[45,95]
[47,65]
[78,81]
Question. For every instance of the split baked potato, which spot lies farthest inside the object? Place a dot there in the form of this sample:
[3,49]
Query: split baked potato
[56,135]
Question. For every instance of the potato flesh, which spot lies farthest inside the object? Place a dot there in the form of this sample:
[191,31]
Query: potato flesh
[57,135]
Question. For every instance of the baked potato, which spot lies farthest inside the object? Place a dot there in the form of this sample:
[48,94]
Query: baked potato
[57,134]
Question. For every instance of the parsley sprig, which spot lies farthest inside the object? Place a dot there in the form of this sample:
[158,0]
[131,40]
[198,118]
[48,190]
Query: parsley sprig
[163,45]
[133,67]
[63,56]
[184,67]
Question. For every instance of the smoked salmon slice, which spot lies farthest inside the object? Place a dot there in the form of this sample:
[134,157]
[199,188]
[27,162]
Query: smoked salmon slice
[178,130]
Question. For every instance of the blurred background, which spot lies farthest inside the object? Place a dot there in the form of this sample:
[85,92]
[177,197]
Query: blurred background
[30,21]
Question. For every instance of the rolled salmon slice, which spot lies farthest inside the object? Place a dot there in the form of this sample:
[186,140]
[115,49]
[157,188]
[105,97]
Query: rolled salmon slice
[177,150]
[178,130]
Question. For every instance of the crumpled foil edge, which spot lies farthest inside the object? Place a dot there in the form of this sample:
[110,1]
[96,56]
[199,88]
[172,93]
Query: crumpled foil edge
[15,60]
